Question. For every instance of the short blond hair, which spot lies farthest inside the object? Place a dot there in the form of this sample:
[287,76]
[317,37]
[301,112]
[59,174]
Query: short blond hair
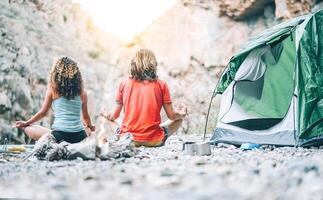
[144,66]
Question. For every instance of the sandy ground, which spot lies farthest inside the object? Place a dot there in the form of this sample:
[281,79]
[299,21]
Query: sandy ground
[165,173]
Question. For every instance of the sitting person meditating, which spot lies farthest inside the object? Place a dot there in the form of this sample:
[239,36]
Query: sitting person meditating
[142,96]
[66,96]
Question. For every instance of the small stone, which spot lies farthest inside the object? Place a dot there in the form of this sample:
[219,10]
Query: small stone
[200,162]
[87,178]
[126,181]
[50,172]
[166,173]
[256,171]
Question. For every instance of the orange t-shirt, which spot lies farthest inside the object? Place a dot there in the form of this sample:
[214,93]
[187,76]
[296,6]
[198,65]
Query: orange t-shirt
[142,103]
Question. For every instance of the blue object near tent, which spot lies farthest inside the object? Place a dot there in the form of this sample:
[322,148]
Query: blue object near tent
[249,146]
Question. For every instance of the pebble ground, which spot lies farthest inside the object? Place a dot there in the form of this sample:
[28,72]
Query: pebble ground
[165,173]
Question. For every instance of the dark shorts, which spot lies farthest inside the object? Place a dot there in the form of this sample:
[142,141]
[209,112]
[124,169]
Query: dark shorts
[71,137]
[166,132]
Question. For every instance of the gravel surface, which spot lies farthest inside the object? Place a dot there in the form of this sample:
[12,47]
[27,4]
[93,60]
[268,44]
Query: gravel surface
[165,173]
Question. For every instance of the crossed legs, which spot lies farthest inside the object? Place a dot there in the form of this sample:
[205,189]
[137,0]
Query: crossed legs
[172,126]
[36,131]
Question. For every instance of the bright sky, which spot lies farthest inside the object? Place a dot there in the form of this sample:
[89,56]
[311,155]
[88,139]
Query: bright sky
[125,18]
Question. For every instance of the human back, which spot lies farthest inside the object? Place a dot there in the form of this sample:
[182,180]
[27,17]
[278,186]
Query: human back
[66,96]
[67,114]
[142,101]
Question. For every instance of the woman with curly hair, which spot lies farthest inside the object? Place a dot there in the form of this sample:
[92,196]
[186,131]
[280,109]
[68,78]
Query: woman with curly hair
[66,96]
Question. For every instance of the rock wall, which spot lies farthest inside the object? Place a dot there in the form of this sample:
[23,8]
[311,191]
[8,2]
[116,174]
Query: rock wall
[240,10]
[32,35]
[284,9]
[290,8]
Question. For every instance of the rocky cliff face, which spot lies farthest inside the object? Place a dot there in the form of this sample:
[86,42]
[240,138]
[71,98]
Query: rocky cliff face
[32,35]
[193,41]
[284,9]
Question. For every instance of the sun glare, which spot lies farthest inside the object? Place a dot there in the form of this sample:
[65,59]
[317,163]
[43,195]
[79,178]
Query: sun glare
[124,18]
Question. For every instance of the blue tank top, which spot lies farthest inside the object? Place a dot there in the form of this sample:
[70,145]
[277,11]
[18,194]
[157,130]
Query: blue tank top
[67,114]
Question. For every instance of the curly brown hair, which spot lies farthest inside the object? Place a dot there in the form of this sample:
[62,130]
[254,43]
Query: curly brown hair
[144,66]
[66,79]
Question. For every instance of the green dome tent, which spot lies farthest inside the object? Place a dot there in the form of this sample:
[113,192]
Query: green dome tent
[272,90]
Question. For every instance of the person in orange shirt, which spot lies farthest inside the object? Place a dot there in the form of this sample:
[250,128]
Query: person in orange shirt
[142,96]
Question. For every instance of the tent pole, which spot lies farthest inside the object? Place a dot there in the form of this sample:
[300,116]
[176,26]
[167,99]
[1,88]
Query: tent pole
[208,112]
[294,120]
[212,97]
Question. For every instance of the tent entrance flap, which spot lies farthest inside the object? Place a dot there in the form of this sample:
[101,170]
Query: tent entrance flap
[263,87]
